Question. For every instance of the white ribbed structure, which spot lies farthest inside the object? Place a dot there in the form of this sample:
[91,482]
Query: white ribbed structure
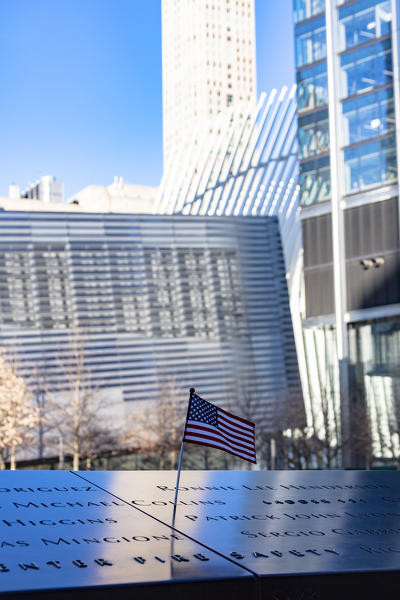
[248,166]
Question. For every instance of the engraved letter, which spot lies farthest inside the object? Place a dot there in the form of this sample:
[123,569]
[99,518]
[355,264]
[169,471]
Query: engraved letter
[25,566]
[103,562]
[179,558]
[59,541]
[79,563]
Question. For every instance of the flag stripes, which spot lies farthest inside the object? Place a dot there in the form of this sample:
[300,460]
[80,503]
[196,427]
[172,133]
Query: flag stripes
[209,425]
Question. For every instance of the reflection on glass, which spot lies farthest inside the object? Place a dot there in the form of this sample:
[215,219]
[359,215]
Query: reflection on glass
[370,164]
[312,88]
[363,21]
[375,352]
[315,181]
[369,116]
[366,68]
[310,41]
[303,9]
[313,134]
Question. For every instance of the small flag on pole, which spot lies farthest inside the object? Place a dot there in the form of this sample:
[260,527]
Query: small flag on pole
[209,425]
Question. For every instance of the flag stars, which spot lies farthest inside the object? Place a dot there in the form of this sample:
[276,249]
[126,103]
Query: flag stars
[202,411]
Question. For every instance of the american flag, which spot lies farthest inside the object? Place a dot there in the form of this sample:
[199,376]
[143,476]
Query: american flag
[209,425]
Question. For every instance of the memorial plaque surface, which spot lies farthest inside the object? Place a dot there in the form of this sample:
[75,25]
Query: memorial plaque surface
[328,532]
[66,537]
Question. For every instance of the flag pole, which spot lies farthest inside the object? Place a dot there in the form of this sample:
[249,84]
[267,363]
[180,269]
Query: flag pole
[192,391]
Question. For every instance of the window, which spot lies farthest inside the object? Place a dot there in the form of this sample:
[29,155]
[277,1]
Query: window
[370,164]
[315,181]
[366,68]
[303,9]
[310,42]
[312,87]
[368,116]
[17,301]
[363,21]
[313,134]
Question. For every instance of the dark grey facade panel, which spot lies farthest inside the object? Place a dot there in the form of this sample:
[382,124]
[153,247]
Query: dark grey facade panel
[319,291]
[200,298]
[372,255]
[317,240]
[372,258]
[372,229]
[369,287]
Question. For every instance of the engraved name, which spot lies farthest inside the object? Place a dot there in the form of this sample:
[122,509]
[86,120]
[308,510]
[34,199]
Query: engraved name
[103,562]
[65,504]
[84,488]
[61,541]
[293,517]
[180,502]
[27,523]
[257,488]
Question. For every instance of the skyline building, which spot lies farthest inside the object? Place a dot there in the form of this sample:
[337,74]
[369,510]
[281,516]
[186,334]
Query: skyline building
[118,197]
[208,64]
[45,189]
[347,64]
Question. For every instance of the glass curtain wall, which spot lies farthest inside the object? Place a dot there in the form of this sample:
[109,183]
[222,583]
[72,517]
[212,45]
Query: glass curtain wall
[312,98]
[363,65]
[375,352]
[366,92]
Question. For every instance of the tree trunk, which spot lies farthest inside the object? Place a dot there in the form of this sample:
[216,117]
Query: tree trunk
[75,460]
[12,459]
[206,461]
[2,462]
[174,456]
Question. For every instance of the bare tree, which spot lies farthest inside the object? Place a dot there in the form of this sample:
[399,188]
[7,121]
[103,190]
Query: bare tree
[330,437]
[77,413]
[249,403]
[297,447]
[360,444]
[158,429]
[18,415]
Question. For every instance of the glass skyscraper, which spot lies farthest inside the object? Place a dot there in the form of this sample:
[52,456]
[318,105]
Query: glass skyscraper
[348,114]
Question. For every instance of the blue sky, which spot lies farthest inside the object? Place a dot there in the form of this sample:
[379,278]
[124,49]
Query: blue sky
[81,87]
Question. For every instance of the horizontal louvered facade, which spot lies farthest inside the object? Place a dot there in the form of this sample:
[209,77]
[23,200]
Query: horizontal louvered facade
[200,298]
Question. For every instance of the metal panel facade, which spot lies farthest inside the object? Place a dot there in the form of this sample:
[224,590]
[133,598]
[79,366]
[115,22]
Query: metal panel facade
[200,298]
